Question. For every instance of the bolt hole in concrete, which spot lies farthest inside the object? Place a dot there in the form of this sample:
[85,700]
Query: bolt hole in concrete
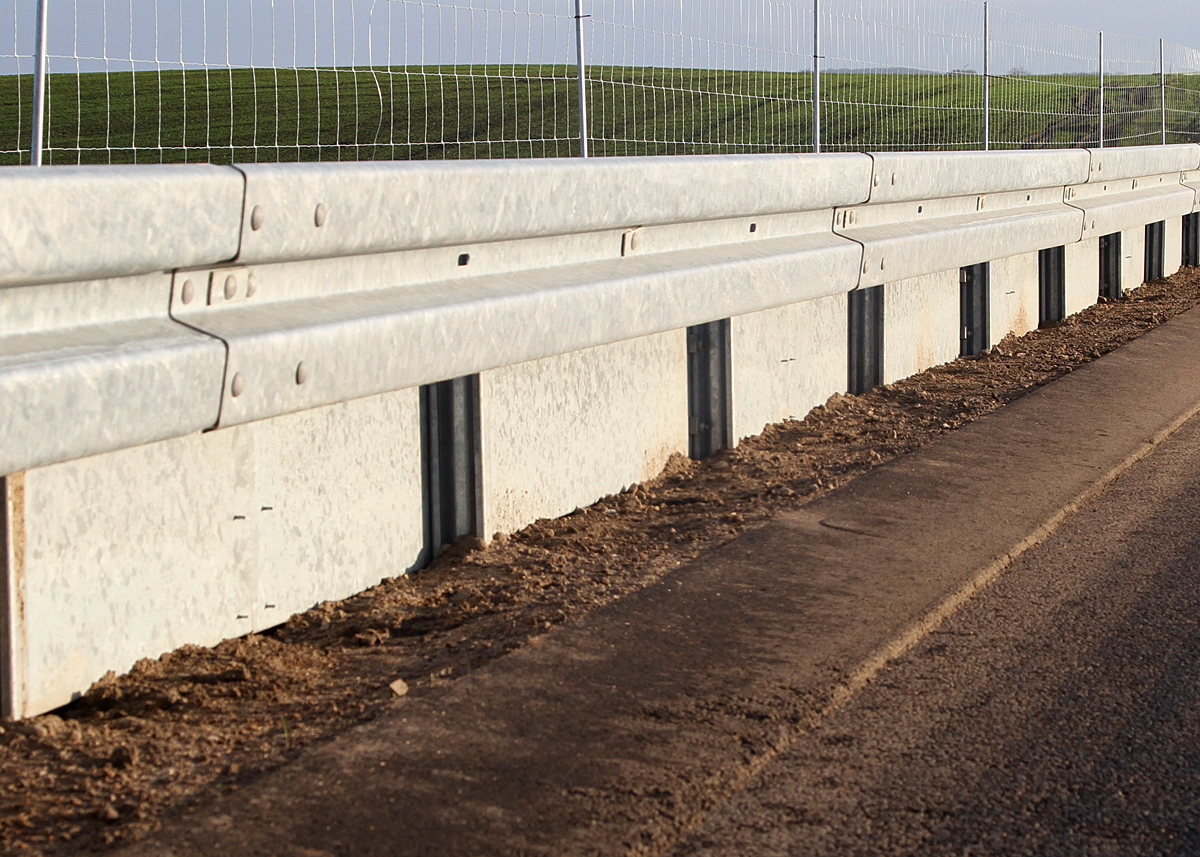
[201,721]
[464,260]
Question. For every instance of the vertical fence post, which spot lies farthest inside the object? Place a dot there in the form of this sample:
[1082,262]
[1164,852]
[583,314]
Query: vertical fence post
[1101,89]
[816,126]
[1162,87]
[987,80]
[582,68]
[39,88]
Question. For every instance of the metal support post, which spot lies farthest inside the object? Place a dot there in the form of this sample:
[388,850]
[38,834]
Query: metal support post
[1101,89]
[39,88]
[987,80]
[816,126]
[1162,87]
[582,67]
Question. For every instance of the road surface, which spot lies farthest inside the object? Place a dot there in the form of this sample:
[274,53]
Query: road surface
[1056,713]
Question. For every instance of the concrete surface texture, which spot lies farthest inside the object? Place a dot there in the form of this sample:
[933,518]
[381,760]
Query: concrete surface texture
[1055,714]
[618,734]
[1172,245]
[1081,268]
[197,539]
[920,324]
[1133,257]
[1013,286]
[786,361]
[562,432]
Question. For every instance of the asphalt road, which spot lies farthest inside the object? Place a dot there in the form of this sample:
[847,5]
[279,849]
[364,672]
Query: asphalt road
[1058,712]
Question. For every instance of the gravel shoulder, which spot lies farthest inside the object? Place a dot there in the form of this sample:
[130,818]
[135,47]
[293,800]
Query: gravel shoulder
[199,722]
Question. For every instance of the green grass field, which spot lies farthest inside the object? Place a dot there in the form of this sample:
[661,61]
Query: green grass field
[435,112]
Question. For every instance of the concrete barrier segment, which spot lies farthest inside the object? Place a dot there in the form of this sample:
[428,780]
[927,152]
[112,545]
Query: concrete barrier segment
[103,388]
[309,211]
[1127,162]
[911,176]
[1191,179]
[501,319]
[1126,207]
[62,224]
[896,251]
[97,366]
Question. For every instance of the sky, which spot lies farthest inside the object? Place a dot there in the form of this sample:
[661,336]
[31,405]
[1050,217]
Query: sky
[932,35]
[1177,20]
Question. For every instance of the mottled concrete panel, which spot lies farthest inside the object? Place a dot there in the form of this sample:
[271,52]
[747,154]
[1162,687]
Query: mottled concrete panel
[1082,265]
[1173,246]
[1133,257]
[134,553]
[1013,295]
[786,361]
[337,502]
[130,554]
[564,431]
[921,319]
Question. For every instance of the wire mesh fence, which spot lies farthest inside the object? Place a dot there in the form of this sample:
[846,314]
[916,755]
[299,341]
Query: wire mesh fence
[662,79]
[901,74]
[1133,93]
[253,80]
[1181,85]
[298,80]
[1045,87]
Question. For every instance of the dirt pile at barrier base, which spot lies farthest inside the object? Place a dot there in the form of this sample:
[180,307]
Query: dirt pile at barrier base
[202,721]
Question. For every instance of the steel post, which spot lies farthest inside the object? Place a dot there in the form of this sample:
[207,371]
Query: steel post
[1162,87]
[816,127]
[582,68]
[39,87]
[987,80]
[1101,89]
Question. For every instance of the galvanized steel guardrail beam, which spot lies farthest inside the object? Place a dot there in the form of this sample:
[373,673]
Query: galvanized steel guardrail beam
[141,303]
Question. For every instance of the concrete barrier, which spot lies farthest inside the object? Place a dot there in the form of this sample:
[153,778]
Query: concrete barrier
[213,381]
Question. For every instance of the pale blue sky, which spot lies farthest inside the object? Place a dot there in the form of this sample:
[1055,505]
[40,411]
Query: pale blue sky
[1178,20]
[933,35]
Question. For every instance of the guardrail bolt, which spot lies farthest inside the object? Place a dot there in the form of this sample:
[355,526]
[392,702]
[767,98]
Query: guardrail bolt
[239,384]
[301,372]
[187,292]
[321,213]
[230,287]
[251,285]
[257,215]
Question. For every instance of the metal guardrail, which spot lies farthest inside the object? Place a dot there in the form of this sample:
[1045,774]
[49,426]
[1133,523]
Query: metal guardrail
[142,303]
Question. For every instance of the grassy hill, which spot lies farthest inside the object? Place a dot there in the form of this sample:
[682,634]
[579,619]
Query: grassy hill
[430,112]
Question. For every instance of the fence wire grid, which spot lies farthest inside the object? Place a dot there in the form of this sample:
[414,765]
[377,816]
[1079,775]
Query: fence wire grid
[221,81]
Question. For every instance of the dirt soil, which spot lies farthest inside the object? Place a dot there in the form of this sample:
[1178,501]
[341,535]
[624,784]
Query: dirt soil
[203,721]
